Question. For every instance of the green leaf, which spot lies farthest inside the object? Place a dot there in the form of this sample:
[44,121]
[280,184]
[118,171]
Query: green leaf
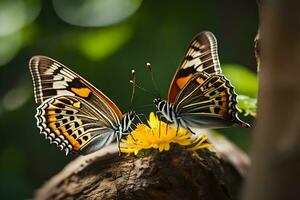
[247,104]
[244,80]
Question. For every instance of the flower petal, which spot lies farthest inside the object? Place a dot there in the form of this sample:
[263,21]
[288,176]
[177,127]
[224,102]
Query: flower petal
[159,135]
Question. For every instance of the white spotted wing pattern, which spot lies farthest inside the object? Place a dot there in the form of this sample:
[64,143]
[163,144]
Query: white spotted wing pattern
[73,114]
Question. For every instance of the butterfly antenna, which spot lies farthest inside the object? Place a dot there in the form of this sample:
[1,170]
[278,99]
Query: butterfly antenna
[133,78]
[145,106]
[143,115]
[152,78]
[140,120]
[141,88]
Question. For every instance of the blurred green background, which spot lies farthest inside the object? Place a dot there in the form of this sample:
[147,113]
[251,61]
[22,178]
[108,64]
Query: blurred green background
[102,40]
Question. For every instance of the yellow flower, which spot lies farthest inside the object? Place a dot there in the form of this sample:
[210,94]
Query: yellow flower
[159,135]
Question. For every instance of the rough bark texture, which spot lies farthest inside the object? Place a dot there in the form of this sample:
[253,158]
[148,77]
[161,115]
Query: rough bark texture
[275,171]
[170,175]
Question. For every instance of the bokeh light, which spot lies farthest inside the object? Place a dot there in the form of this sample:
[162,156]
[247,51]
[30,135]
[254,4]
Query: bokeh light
[9,47]
[16,97]
[99,44]
[95,12]
[15,14]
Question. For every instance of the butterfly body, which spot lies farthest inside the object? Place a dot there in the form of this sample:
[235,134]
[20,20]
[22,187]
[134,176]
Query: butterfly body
[73,114]
[177,120]
[199,95]
[198,111]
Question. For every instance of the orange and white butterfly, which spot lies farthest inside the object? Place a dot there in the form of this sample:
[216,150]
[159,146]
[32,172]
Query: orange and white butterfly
[72,113]
[199,95]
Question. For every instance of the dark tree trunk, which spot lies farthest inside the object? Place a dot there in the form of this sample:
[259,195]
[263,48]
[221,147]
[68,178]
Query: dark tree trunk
[171,175]
[275,172]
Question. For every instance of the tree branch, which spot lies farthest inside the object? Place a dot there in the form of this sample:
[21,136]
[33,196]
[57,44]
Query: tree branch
[171,175]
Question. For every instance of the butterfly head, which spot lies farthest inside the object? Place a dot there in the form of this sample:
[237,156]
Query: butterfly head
[127,121]
[156,101]
[131,115]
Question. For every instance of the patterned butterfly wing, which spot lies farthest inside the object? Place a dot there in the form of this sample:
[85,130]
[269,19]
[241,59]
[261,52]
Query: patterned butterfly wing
[73,124]
[208,101]
[57,89]
[201,56]
[51,78]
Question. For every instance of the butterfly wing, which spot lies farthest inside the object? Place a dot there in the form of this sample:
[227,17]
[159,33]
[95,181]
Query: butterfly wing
[55,88]
[51,78]
[201,56]
[208,101]
[73,124]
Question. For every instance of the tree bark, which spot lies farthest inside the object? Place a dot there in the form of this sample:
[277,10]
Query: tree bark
[275,171]
[170,175]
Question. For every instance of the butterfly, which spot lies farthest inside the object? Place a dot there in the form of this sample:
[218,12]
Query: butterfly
[200,96]
[73,114]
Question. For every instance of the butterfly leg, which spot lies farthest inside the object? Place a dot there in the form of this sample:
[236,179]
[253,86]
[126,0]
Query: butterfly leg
[132,137]
[118,142]
[134,125]
[177,129]
[145,117]
[128,134]
[161,117]
[140,118]
[167,128]
[190,131]
[158,114]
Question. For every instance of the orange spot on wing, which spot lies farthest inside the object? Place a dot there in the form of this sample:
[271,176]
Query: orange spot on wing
[105,98]
[82,92]
[77,104]
[75,144]
[223,93]
[200,80]
[54,128]
[52,125]
[224,98]
[183,80]
[51,118]
[51,112]
[223,112]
